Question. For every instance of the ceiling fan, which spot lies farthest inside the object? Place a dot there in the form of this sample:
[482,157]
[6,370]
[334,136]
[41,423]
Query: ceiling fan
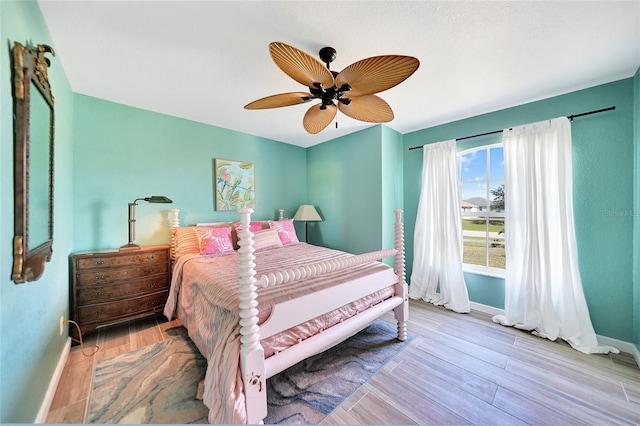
[353,89]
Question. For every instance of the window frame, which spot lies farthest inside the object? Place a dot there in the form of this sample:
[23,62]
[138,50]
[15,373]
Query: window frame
[486,214]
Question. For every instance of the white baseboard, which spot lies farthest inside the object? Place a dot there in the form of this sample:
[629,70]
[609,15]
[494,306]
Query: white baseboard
[53,384]
[623,346]
[486,309]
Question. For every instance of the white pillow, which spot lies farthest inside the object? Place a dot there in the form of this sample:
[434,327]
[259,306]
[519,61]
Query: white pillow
[266,238]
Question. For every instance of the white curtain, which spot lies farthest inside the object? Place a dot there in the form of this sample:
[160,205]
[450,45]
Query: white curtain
[543,287]
[437,252]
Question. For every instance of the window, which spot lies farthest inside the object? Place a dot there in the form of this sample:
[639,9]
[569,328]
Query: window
[481,180]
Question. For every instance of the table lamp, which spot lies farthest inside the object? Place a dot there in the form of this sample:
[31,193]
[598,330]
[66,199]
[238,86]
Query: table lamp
[307,213]
[132,218]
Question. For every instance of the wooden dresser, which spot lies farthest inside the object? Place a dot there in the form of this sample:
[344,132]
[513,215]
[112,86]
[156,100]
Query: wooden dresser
[113,286]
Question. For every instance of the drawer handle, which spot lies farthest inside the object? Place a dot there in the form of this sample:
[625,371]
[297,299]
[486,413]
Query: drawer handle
[152,302]
[99,262]
[151,270]
[151,256]
[100,277]
[151,285]
[99,293]
[100,312]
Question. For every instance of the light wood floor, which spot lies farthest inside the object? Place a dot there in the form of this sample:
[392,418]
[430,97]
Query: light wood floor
[70,401]
[459,369]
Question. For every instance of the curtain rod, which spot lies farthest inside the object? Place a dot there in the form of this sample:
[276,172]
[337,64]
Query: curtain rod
[570,117]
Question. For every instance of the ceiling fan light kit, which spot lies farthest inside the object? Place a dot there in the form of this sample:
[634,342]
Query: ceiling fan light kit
[352,91]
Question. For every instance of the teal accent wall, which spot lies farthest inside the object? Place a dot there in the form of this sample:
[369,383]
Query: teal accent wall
[30,344]
[344,183]
[123,153]
[636,217]
[356,183]
[392,178]
[603,151]
[485,290]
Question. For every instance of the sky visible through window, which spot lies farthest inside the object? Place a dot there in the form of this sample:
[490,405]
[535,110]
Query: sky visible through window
[473,172]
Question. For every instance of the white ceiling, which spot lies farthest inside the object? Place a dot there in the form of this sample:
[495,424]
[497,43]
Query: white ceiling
[204,60]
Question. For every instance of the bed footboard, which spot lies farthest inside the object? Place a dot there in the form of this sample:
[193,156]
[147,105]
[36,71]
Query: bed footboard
[254,368]
[292,312]
[328,338]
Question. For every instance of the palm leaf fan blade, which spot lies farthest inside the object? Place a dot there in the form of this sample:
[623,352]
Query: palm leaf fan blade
[376,74]
[316,119]
[300,66]
[369,108]
[280,100]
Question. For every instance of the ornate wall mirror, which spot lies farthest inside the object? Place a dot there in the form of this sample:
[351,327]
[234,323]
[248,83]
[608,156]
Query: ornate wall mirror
[33,128]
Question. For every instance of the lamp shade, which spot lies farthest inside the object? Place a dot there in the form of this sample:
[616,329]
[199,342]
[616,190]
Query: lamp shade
[307,212]
[156,199]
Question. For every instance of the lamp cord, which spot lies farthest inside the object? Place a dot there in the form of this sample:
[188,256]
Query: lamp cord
[80,341]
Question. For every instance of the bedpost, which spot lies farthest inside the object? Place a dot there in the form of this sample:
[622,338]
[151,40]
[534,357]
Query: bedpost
[251,352]
[401,311]
[175,223]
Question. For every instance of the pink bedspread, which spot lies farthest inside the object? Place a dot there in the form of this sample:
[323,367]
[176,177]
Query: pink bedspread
[204,296]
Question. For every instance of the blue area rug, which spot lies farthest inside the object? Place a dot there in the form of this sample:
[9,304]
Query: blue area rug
[154,384]
[158,383]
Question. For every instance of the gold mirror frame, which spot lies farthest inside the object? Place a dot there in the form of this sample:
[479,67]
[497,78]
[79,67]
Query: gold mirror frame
[33,162]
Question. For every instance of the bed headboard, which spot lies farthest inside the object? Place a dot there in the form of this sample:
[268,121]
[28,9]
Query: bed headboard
[175,223]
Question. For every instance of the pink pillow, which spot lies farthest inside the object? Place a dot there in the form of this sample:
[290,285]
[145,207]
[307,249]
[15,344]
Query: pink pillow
[253,226]
[214,240]
[286,231]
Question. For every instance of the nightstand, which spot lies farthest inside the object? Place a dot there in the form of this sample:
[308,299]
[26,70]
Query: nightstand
[113,286]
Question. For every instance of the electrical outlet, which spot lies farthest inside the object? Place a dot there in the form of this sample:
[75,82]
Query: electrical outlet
[61,325]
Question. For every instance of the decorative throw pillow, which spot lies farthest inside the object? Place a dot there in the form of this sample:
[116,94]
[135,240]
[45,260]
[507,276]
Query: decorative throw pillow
[253,226]
[214,240]
[286,231]
[237,228]
[185,241]
[266,238]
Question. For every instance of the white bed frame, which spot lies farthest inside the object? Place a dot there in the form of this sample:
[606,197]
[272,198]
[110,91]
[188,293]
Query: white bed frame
[254,367]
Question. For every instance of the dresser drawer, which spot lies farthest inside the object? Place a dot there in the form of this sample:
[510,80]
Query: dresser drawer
[112,311]
[105,276]
[96,261]
[105,293]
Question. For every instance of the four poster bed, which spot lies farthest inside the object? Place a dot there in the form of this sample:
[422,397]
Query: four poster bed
[259,303]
